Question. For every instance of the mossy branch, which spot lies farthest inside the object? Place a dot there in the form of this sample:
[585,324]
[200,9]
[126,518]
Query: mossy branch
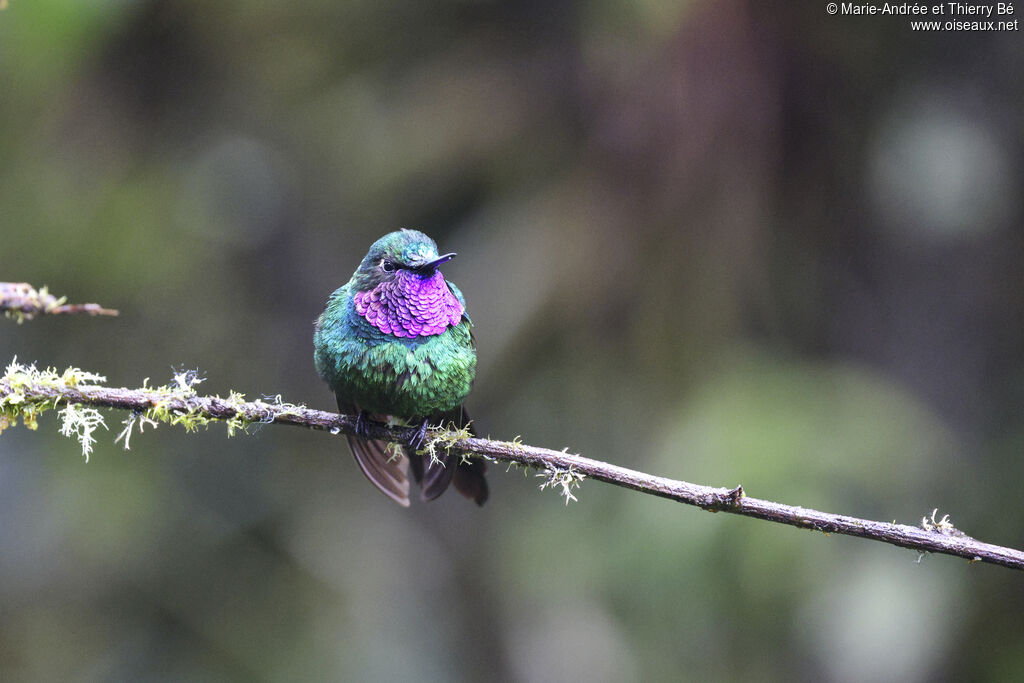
[26,392]
[22,301]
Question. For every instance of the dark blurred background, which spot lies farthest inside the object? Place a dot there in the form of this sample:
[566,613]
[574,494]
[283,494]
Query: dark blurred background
[732,242]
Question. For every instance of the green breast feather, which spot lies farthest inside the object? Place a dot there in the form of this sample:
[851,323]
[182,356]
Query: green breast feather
[408,378]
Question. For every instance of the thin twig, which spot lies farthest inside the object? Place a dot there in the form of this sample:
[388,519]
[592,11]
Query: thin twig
[935,536]
[23,301]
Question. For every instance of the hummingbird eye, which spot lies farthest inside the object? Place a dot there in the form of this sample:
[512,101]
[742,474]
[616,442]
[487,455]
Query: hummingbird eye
[387,266]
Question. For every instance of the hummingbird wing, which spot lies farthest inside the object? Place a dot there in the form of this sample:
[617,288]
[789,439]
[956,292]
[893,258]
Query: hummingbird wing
[385,470]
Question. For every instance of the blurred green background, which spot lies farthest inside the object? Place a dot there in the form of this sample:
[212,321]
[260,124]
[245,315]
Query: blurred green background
[732,242]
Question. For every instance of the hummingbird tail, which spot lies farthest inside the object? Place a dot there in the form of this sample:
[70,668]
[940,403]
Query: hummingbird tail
[469,480]
[387,468]
[466,476]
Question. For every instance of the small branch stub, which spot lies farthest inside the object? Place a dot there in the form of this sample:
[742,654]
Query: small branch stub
[729,499]
[22,301]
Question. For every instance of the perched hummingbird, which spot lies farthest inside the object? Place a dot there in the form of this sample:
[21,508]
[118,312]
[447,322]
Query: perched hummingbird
[395,345]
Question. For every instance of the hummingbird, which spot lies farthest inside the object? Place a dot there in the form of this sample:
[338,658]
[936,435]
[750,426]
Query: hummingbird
[395,345]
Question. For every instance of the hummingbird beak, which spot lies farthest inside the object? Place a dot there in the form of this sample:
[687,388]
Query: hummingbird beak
[431,266]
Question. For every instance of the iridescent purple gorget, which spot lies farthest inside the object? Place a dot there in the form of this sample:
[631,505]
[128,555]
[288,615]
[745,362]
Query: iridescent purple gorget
[410,305]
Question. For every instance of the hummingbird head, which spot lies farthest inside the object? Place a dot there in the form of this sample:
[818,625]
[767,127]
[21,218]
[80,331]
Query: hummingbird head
[399,289]
[403,250]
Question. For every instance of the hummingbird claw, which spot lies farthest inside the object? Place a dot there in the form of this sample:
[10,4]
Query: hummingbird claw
[419,436]
[362,428]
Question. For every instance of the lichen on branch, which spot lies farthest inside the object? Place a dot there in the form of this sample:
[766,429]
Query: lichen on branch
[18,399]
[27,392]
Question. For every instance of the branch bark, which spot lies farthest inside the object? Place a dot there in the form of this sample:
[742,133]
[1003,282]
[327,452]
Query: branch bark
[565,469]
[23,301]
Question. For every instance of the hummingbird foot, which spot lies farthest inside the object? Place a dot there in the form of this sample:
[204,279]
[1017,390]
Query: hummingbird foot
[362,424]
[419,436]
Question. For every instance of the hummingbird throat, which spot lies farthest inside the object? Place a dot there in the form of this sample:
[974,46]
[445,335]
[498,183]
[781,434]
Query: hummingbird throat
[410,305]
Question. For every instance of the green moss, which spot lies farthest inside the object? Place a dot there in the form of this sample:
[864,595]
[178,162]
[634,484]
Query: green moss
[445,437]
